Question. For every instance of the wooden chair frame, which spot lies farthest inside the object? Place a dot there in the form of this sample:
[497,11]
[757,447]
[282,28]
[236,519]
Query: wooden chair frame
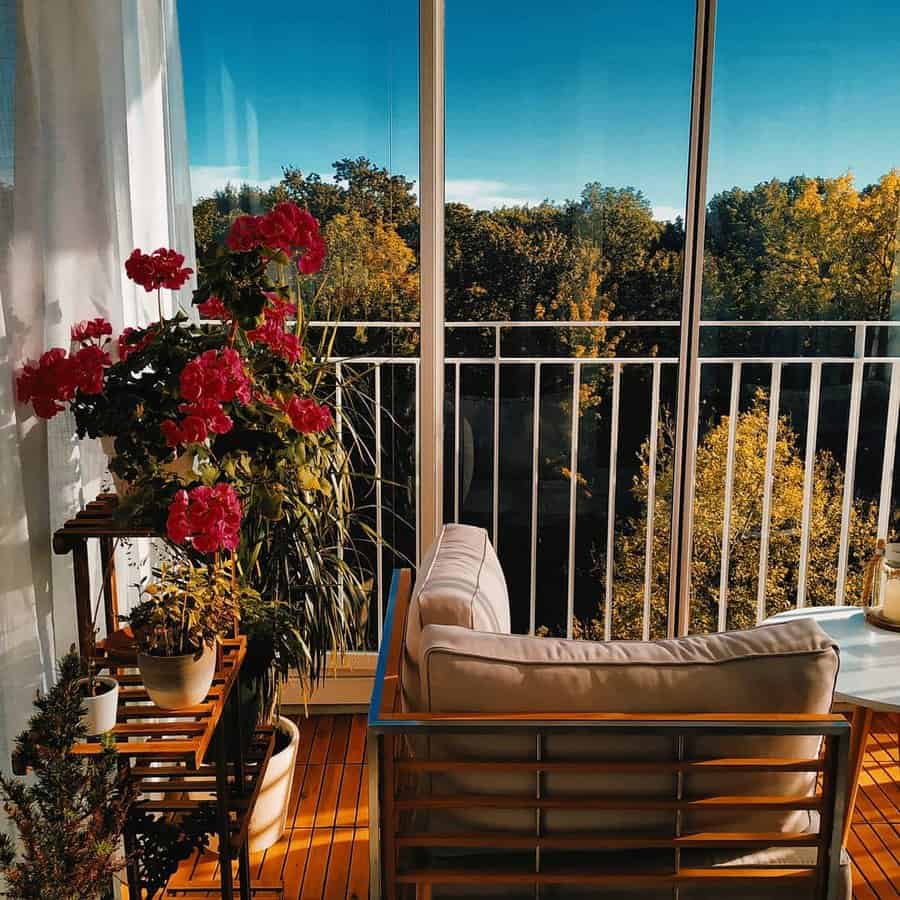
[389,771]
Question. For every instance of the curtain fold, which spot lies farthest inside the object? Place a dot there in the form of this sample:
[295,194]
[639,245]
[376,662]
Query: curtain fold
[99,166]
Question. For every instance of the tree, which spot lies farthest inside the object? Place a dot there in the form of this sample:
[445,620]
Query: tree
[745,530]
[807,248]
[71,815]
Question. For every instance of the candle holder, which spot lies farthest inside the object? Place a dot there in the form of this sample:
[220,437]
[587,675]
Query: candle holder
[881,587]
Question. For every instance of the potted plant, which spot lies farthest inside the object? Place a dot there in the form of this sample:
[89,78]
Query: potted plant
[248,395]
[99,693]
[99,702]
[176,623]
[70,815]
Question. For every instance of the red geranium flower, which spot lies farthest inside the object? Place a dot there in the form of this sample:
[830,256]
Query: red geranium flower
[209,518]
[160,269]
[243,234]
[191,431]
[91,330]
[214,308]
[215,375]
[307,416]
[287,228]
[47,383]
[87,368]
[272,332]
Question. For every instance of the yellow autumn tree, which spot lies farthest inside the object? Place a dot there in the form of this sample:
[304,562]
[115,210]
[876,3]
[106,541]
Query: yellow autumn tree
[745,532]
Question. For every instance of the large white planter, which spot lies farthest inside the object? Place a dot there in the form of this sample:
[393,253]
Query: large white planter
[269,817]
[99,714]
[182,466]
[174,682]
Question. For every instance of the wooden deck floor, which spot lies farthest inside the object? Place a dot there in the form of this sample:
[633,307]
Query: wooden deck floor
[325,854]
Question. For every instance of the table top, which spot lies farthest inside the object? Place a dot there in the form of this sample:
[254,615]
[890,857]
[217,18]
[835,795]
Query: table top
[870,656]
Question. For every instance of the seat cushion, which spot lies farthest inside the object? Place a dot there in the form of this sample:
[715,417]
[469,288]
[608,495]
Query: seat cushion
[460,583]
[788,667]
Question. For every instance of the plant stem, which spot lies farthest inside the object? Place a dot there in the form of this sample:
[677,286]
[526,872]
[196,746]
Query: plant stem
[159,306]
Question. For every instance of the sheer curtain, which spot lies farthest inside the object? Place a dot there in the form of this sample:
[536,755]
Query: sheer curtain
[93,162]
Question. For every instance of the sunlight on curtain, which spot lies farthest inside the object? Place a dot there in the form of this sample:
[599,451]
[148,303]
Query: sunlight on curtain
[92,163]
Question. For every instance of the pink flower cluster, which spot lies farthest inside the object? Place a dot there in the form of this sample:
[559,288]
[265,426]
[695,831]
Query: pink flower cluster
[160,269]
[56,376]
[207,381]
[307,416]
[287,228]
[209,518]
[272,332]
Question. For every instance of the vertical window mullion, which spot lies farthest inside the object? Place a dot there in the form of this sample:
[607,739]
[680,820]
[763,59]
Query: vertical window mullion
[431,217]
[687,403]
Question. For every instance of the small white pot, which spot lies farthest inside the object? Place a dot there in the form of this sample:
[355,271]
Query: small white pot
[269,817]
[174,682]
[99,714]
[182,466]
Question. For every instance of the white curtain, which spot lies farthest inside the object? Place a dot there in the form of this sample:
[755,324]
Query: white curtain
[93,162]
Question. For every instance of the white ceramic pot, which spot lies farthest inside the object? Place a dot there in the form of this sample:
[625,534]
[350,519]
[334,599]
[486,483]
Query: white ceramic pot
[99,714]
[174,682]
[269,817]
[182,466]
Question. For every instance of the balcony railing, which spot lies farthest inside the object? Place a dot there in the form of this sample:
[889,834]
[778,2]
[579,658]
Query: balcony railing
[853,355]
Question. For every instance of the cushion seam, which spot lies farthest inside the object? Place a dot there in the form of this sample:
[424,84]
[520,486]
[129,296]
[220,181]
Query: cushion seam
[475,593]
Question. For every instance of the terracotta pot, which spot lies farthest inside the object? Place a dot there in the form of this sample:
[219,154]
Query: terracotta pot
[174,682]
[100,710]
[182,466]
[269,817]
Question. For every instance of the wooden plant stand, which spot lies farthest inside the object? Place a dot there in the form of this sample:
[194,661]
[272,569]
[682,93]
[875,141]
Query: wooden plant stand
[97,521]
[166,750]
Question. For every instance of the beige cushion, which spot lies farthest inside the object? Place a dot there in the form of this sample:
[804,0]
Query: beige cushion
[781,668]
[785,667]
[460,583]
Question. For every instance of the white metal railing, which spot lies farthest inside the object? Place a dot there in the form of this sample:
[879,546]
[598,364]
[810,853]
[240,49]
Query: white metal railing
[857,360]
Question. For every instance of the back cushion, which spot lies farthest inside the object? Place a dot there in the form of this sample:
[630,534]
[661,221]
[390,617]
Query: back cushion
[782,668]
[460,583]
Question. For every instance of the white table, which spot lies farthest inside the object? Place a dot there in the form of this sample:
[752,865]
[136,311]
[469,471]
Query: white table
[868,679]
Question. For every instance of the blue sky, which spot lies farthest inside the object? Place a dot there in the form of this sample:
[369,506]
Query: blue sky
[542,98]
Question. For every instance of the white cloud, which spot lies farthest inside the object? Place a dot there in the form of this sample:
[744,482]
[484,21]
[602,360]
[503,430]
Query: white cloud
[484,194]
[206,180]
[667,213]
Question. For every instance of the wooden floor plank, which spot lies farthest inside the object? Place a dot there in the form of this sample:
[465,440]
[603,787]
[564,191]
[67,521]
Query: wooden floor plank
[329,794]
[358,887]
[340,736]
[322,741]
[324,855]
[356,750]
[338,874]
[348,803]
[317,864]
